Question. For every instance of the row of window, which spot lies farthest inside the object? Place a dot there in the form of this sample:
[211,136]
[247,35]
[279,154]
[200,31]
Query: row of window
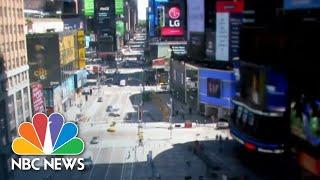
[11,29]
[17,79]
[11,46]
[11,12]
[16,62]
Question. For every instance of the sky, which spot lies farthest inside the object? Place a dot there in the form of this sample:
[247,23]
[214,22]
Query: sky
[142,5]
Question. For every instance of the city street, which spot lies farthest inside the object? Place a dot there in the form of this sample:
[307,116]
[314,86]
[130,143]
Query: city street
[118,155]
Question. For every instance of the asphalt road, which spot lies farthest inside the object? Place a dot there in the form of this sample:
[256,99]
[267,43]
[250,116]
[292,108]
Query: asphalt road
[117,155]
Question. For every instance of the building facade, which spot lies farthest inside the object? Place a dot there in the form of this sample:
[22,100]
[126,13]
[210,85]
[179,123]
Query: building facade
[15,105]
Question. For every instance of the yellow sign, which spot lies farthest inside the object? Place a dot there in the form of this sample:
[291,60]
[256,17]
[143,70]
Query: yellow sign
[67,49]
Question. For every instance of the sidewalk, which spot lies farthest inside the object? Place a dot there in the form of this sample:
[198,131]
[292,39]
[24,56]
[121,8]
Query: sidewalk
[183,111]
[81,106]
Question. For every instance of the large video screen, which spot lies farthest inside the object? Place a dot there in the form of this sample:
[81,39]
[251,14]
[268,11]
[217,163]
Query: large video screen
[44,58]
[305,119]
[252,84]
[213,87]
[301,4]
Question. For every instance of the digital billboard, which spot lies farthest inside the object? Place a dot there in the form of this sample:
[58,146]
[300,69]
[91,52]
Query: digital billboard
[301,4]
[171,20]
[216,87]
[44,60]
[195,16]
[67,48]
[213,87]
[105,18]
[119,6]
[37,98]
[305,119]
[228,21]
[88,7]
[120,29]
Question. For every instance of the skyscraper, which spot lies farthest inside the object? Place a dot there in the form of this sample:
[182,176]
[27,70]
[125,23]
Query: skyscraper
[15,106]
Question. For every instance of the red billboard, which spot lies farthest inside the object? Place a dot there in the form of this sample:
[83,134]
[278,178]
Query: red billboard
[174,22]
[236,6]
[158,63]
[37,98]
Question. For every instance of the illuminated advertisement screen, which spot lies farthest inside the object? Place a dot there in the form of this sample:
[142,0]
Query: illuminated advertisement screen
[305,119]
[195,16]
[37,98]
[301,4]
[172,19]
[119,6]
[67,48]
[120,29]
[213,87]
[252,84]
[216,87]
[88,7]
[44,60]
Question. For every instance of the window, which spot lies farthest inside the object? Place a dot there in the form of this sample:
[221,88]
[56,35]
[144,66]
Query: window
[17,62]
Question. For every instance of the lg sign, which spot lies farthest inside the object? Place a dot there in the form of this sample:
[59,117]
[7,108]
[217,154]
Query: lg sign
[174,14]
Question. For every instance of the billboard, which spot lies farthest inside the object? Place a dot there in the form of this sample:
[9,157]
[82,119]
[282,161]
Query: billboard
[67,48]
[119,6]
[105,18]
[37,98]
[213,87]
[171,20]
[228,21]
[44,60]
[216,87]
[301,4]
[159,63]
[81,49]
[195,16]
[305,120]
[88,7]
[120,29]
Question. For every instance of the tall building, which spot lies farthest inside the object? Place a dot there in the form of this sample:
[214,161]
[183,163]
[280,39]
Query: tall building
[14,78]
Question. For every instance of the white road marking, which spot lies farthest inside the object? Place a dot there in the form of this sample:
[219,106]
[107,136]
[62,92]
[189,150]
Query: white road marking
[105,177]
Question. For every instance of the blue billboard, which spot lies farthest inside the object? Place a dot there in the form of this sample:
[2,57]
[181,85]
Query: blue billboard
[301,4]
[217,87]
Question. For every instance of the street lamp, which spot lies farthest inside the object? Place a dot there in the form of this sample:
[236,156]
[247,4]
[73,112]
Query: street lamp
[170,118]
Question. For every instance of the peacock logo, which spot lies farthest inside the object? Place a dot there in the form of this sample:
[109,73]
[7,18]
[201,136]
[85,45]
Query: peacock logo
[48,136]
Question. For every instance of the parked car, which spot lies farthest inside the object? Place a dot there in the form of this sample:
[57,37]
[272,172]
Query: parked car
[222,124]
[114,114]
[109,108]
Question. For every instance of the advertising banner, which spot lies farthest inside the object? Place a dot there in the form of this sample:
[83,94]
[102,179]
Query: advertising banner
[120,29]
[229,14]
[216,87]
[195,15]
[301,4]
[119,6]
[88,7]
[105,18]
[68,87]
[158,63]
[67,49]
[44,60]
[37,98]
[174,20]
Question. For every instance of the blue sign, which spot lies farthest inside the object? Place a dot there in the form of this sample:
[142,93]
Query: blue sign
[225,83]
[301,4]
